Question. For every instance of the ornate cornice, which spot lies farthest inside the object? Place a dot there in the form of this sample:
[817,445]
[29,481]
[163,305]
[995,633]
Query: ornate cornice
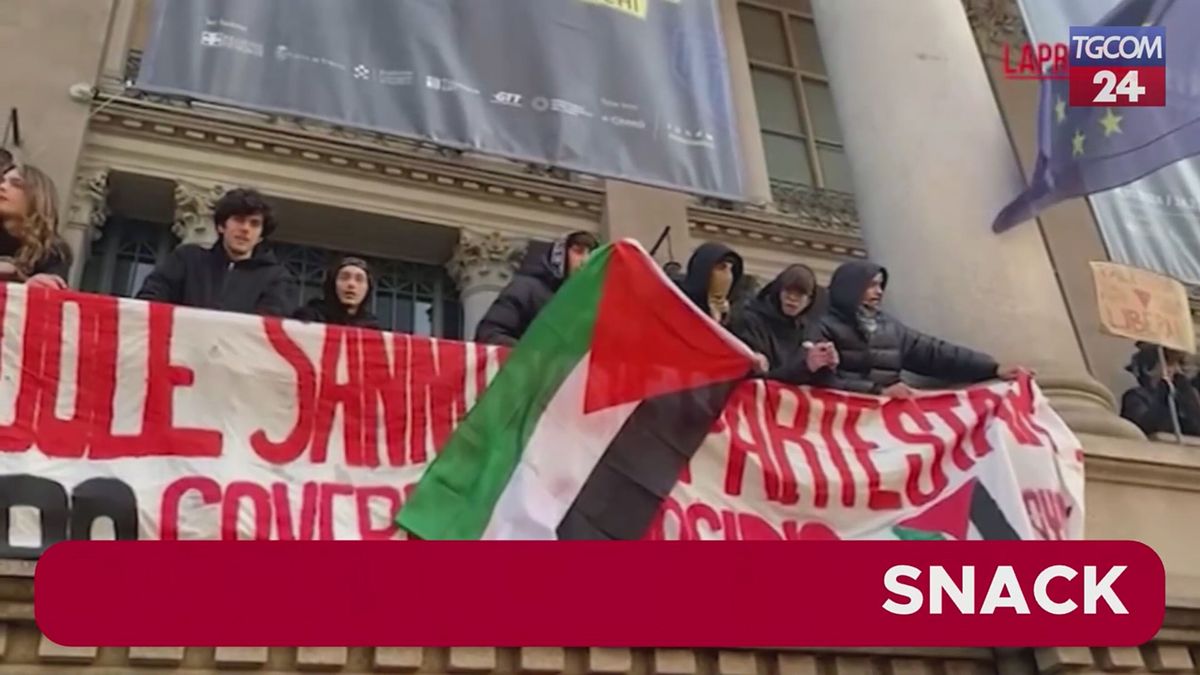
[996,23]
[194,211]
[776,230]
[344,150]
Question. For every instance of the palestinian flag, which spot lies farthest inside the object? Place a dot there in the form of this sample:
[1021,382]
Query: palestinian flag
[588,424]
[971,513]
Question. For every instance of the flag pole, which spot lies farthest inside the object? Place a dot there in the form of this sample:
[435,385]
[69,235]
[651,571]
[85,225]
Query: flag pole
[1171,403]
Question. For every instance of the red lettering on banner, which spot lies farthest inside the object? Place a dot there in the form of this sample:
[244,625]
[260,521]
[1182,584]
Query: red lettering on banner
[258,498]
[18,437]
[752,527]
[158,437]
[99,345]
[366,528]
[658,528]
[780,434]
[988,404]
[309,497]
[740,411]
[168,518]
[329,491]
[1048,512]
[830,401]
[878,498]
[291,448]
[894,417]
[945,407]
[386,384]
[701,512]
[332,394]
[437,399]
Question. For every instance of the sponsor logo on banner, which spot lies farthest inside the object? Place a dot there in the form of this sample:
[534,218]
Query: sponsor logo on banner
[632,7]
[447,85]
[241,45]
[396,78]
[507,98]
[624,122]
[1118,66]
[561,106]
[362,72]
[286,53]
[686,136]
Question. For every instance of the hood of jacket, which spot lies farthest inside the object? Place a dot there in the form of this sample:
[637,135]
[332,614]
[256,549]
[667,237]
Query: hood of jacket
[766,303]
[548,262]
[699,269]
[848,284]
[330,303]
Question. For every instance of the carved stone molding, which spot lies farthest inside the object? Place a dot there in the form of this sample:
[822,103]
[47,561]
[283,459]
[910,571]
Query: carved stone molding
[89,199]
[827,210]
[194,212]
[996,23]
[484,259]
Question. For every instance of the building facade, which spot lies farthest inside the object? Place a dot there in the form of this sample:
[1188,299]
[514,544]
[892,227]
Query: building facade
[865,126]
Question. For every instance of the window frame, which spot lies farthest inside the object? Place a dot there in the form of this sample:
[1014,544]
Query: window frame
[798,76]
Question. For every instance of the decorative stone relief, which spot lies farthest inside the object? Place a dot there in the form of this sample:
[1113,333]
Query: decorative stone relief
[996,22]
[89,200]
[489,259]
[194,212]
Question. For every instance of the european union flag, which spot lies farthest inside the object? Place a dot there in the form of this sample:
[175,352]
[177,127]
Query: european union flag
[1086,150]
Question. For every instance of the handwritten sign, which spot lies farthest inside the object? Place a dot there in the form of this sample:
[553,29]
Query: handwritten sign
[1142,305]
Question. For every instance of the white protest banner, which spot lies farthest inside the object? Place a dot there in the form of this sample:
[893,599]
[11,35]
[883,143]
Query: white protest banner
[125,419]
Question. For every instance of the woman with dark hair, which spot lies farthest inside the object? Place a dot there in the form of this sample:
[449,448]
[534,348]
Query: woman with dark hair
[781,324]
[31,251]
[347,296]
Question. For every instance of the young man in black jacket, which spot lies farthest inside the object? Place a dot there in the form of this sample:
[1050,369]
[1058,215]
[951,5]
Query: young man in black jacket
[782,324]
[874,348]
[347,296]
[236,274]
[532,288]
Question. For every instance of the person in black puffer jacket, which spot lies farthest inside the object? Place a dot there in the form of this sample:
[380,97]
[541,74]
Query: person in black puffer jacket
[236,274]
[712,272]
[874,348]
[347,296]
[781,323]
[532,288]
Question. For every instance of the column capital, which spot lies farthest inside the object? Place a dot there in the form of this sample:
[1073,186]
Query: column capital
[995,22]
[194,212]
[89,199]
[485,259]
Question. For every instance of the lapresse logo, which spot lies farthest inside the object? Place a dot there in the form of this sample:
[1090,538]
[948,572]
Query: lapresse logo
[1118,66]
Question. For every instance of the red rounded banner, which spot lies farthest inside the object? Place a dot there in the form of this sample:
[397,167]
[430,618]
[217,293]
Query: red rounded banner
[663,594]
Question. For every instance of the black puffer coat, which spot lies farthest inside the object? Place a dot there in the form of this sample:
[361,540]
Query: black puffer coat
[699,271]
[329,310]
[540,276]
[764,327]
[870,362]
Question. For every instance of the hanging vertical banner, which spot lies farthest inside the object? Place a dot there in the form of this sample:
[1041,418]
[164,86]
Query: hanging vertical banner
[1153,222]
[632,89]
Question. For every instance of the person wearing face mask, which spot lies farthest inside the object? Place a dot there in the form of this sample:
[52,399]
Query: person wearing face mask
[712,272]
[237,274]
[346,298]
[31,252]
[1148,404]
[781,325]
[532,288]
[874,348]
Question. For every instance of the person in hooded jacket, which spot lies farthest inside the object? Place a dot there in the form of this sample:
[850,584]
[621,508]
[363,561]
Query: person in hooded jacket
[874,348]
[347,296]
[236,274]
[532,288]
[1148,404]
[781,324]
[712,272]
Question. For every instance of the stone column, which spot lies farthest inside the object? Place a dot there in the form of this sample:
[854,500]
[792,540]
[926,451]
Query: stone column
[932,165]
[482,265]
[194,213]
[85,216]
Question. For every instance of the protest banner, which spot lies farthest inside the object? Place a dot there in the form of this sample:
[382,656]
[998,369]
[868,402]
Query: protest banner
[131,420]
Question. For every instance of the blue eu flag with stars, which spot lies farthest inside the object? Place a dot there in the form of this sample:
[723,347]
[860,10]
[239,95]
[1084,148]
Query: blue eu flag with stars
[1087,150]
